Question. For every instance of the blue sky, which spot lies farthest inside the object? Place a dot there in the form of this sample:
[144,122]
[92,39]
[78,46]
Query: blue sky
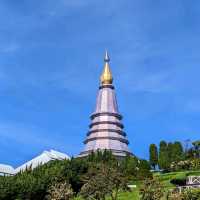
[51,57]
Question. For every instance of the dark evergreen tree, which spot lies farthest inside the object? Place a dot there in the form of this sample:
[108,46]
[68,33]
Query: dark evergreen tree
[177,152]
[170,148]
[153,155]
[163,159]
[196,145]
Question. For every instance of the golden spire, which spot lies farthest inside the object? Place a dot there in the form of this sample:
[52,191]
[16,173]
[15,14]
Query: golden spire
[106,77]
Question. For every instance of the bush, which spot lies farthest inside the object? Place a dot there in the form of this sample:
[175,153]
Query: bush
[35,184]
[191,164]
[103,180]
[151,189]
[188,194]
[191,194]
[60,191]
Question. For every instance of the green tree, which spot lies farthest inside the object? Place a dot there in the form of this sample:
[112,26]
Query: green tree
[177,152]
[101,181]
[153,155]
[170,148]
[34,184]
[151,190]
[143,170]
[130,166]
[163,159]
[196,145]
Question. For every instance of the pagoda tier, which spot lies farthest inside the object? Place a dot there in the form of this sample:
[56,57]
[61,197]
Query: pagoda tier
[106,129]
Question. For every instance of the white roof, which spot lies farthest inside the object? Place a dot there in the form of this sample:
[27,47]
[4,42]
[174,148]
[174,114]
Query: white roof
[6,169]
[43,158]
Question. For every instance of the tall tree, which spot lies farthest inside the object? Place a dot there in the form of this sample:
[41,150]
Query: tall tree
[153,155]
[196,145]
[163,159]
[177,152]
[170,148]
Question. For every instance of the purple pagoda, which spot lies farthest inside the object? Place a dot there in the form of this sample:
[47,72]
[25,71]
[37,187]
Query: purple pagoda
[106,128]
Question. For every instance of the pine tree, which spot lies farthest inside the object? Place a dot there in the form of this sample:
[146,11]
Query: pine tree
[153,155]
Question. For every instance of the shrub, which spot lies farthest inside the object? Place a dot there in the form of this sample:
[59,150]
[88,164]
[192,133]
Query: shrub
[60,191]
[151,190]
[191,194]
[103,180]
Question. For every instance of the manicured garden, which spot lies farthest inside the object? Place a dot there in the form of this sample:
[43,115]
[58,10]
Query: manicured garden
[164,178]
[102,176]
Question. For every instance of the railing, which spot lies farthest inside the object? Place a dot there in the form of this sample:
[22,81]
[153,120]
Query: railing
[193,180]
[191,183]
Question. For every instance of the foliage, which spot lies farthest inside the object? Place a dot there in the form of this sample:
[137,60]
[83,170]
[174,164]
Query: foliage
[36,184]
[196,145]
[163,156]
[170,153]
[60,191]
[103,180]
[190,164]
[151,189]
[31,184]
[194,151]
[135,169]
[188,194]
[104,156]
[153,155]
[130,167]
[191,194]
[176,150]
[165,178]
[143,170]
[73,172]
[171,195]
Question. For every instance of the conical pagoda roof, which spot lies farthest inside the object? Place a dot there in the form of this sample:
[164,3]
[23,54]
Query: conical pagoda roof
[106,129]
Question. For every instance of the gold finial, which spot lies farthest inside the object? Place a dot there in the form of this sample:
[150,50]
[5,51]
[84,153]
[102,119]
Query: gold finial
[106,77]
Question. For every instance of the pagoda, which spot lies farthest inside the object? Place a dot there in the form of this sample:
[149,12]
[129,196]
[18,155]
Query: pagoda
[106,128]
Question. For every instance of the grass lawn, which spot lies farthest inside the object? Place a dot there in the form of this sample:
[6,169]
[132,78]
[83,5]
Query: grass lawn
[165,178]
[133,195]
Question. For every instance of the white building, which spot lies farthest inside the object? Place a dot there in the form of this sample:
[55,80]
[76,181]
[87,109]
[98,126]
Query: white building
[106,130]
[43,158]
[6,170]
